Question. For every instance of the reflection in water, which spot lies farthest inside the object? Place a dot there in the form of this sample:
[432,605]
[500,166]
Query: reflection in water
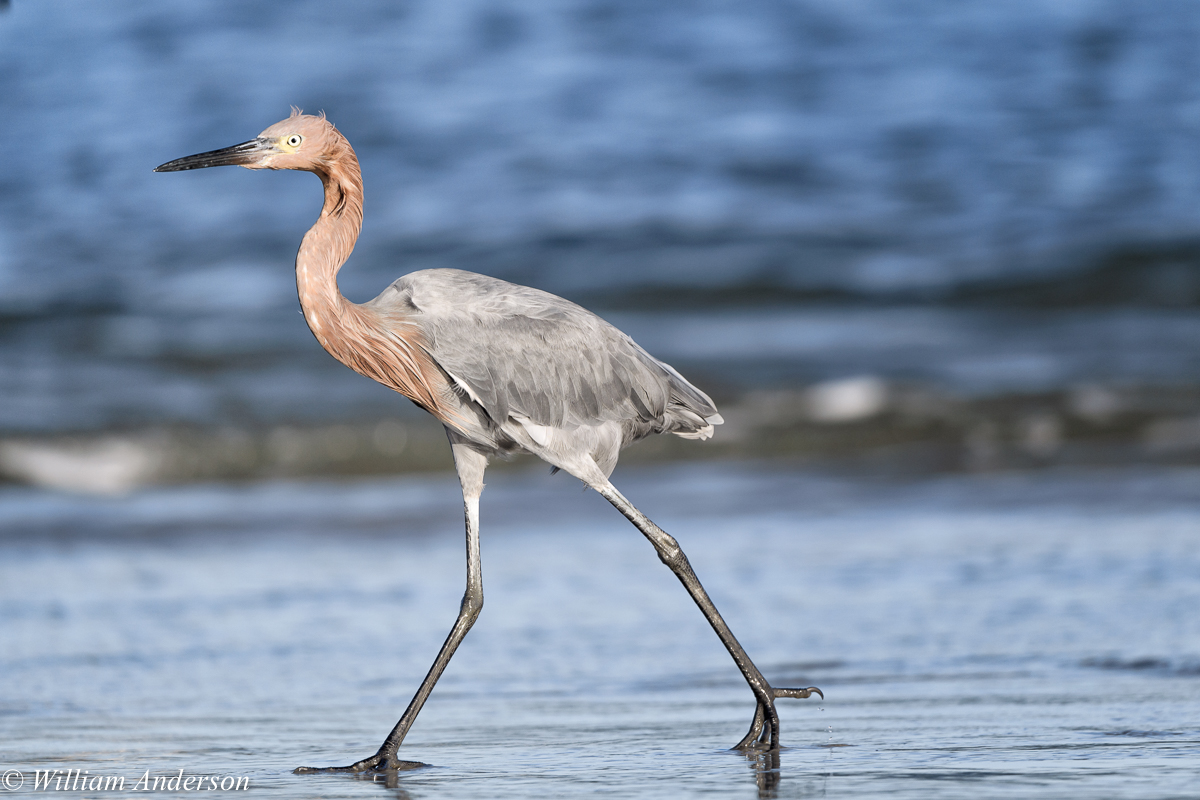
[766,771]
[389,778]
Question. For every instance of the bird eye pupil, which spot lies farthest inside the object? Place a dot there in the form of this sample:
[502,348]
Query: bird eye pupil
[294,141]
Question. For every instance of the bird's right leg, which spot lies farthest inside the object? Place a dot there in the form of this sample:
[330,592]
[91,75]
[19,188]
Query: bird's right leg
[470,465]
[764,728]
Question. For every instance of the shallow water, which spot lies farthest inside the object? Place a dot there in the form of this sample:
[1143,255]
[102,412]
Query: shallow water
[1009,635]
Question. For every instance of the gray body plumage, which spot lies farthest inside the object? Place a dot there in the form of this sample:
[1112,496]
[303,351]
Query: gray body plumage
[536,373]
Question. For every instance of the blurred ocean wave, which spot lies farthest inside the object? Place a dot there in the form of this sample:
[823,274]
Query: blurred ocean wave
[968,202]
[853,147]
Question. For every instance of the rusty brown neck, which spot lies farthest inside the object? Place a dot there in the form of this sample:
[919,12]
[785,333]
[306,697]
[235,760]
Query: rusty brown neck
[325,248]
[390,350]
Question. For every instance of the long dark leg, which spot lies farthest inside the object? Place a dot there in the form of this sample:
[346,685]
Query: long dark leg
[764,730]
[470,465]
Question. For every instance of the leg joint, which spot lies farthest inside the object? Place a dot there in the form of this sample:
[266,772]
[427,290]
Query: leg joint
[669,551]
[673,557]
[472,603]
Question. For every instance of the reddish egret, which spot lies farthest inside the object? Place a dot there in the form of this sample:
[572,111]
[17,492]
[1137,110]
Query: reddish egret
[505,368]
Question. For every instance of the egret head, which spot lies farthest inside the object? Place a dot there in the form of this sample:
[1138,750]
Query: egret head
[301,141]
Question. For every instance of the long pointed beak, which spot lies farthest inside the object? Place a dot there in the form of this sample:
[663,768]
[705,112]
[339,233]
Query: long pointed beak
[241,155]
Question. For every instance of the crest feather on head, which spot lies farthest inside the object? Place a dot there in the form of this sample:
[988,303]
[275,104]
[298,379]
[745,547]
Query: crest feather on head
[299,112]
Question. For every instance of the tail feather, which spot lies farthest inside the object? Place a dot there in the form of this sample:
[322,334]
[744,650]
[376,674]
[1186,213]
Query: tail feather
[688,424]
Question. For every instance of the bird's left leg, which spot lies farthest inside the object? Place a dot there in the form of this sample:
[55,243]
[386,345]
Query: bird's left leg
[470,464]
[764,730]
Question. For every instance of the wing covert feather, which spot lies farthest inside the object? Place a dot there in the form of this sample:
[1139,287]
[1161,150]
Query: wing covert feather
[527,353]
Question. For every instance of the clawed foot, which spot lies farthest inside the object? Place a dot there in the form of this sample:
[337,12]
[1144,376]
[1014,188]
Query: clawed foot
[764,730]
[376,763]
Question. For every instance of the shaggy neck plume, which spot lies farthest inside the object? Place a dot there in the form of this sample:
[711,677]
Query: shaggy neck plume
[390,351]
[325,249]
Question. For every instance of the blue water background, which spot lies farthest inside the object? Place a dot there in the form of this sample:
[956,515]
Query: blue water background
[819,151]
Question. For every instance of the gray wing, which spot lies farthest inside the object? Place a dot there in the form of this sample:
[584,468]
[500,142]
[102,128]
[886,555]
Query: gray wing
[520,351]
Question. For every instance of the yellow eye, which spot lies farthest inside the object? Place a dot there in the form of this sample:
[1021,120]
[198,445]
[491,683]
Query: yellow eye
[294,140]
